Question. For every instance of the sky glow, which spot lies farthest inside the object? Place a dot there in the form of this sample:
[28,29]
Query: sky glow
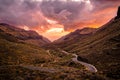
[56,18]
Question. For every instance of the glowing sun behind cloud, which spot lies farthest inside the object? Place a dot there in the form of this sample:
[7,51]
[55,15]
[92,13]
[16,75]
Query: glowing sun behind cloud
[51,21]
[55,33]
[55,30]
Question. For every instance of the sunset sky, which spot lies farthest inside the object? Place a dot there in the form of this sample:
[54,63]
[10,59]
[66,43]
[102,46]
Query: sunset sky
[55,18]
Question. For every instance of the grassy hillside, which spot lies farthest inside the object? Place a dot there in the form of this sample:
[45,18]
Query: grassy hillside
[15,55]
[19,53]
[23,61]
[101,49]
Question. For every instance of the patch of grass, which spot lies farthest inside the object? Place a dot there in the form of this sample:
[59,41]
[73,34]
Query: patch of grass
[18,53]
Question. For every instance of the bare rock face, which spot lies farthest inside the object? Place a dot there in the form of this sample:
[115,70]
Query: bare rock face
[118,13]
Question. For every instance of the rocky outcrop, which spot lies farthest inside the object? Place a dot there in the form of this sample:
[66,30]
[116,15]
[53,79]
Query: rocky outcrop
[118,13]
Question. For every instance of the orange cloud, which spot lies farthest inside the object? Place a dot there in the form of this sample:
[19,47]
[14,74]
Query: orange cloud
[56,18]
[53,32]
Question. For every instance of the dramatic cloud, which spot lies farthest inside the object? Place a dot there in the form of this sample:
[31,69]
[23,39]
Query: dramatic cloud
[21,13]
[49,16]
[80,14]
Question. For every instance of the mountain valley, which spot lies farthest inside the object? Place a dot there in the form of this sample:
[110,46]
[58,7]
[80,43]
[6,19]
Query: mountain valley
[85,54]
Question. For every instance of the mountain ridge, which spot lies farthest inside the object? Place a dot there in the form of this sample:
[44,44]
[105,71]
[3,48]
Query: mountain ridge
[30,36]
[78,33]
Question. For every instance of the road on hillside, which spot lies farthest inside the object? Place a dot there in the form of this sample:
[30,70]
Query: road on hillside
[88,66]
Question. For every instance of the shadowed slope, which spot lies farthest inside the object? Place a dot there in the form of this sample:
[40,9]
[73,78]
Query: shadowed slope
[22,35]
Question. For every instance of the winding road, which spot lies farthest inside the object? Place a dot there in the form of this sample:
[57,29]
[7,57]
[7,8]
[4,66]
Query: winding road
[88,66]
